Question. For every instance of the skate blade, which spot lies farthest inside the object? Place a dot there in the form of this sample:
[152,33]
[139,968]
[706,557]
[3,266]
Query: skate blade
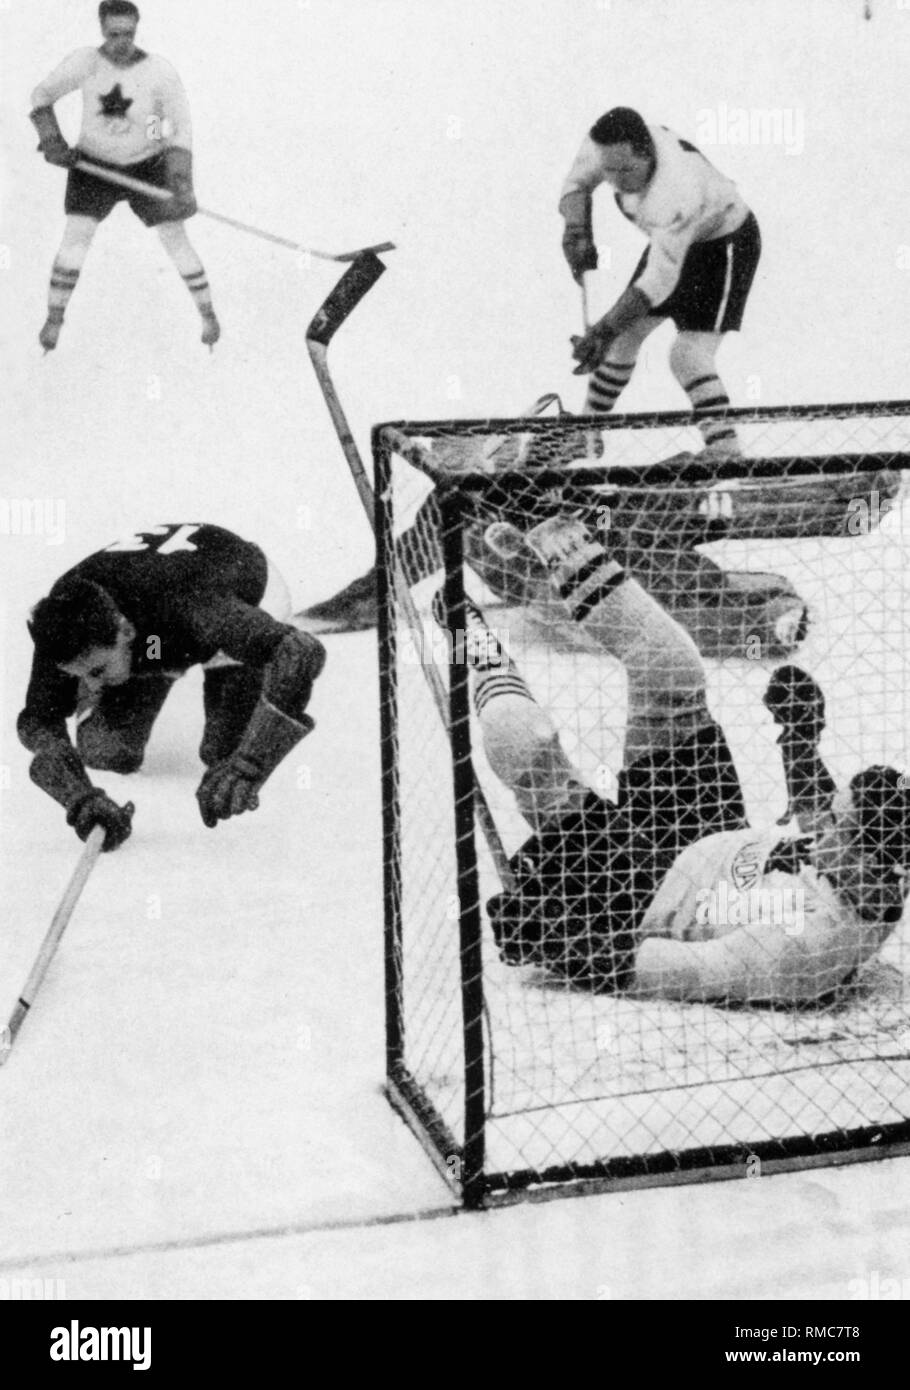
[326,627]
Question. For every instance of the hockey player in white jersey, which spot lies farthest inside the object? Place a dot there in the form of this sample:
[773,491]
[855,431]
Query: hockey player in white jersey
[667,891]
[136,121]
[697,270]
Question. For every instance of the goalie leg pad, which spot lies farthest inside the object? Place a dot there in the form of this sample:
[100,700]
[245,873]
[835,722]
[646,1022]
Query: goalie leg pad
[726,613]
[849,504]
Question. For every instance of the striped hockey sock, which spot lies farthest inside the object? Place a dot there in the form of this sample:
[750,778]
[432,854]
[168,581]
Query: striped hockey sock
[493,682]
[708,396]
[606,385]
[581,571]
[63,281]
[495,674]
[197,283]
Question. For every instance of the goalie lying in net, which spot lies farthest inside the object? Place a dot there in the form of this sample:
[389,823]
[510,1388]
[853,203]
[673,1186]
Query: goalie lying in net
[668,892]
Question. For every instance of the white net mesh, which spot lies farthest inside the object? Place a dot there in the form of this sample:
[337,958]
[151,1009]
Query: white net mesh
[581,1074]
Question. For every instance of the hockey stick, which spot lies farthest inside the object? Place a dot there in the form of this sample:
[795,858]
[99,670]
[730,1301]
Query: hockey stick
[345,297]
[87,862]
[584,286]
[163,195]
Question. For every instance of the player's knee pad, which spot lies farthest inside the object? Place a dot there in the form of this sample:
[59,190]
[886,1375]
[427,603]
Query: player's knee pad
[172,235]
[667,700]
[659,655]
[77,238]
[692,355]
[178,246]
[524,751]
[517,736]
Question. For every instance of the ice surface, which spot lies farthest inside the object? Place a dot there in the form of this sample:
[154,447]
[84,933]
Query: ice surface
[196,1092]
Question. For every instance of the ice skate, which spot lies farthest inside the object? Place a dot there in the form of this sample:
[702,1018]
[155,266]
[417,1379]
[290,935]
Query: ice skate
[211,328]
[353,609]
[481,647]
[51,330]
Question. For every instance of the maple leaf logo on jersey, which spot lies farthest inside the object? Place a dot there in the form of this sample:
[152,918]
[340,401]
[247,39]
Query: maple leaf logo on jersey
[114,103]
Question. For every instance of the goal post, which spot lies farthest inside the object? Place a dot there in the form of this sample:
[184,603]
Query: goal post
[518,1078]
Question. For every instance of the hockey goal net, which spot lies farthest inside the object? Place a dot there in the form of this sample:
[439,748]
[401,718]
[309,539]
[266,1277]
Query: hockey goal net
[518,1080]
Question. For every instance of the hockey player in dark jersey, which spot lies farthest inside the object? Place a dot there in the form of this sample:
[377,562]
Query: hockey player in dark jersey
[697,270]
[119,628]
[135,120]
[668,892]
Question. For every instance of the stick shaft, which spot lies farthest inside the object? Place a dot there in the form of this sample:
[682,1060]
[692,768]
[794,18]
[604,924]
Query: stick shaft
[87,861]
[325,323]
[293,245]
[585,301]
[163,195]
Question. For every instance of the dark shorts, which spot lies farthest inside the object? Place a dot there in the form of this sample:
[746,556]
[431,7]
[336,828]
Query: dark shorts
[87,196]
[584,886]
[714,283]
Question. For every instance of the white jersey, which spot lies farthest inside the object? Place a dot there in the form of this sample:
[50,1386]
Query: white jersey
[686,201]
[129,113]
[724,925]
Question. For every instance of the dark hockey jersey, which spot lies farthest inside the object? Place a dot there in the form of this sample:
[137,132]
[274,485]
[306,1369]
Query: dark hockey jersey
[191,592]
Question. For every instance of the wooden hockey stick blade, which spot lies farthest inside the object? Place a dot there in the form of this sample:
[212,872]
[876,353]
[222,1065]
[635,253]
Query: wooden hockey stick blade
[344,298]
[87,861]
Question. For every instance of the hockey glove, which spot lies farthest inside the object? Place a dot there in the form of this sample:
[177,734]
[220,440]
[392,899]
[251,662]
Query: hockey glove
[589,350]
[232,786]
[58,770]
[578,237]
[796,703]
[579,250]
[51,142]
[97,808]
[178,168]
